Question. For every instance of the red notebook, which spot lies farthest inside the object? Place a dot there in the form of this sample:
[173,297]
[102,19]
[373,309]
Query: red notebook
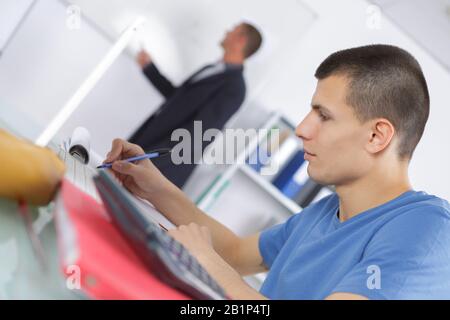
[89,243]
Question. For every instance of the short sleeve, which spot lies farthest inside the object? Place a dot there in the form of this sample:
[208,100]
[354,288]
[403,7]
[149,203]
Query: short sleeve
[272,240]
[407,258]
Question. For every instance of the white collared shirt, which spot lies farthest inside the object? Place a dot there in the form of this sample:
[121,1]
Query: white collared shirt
[214,69]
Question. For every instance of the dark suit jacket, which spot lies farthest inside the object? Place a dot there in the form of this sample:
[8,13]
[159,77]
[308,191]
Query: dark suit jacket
[212,100]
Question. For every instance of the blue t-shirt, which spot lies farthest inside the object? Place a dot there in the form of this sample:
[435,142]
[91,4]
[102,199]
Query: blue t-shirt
[398,250]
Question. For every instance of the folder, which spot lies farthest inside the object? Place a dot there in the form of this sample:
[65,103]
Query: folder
[89,242]
[289,179]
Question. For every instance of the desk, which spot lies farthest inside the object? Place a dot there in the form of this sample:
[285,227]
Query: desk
[21,275]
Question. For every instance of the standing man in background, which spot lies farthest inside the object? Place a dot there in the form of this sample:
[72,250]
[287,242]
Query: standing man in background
[211,95]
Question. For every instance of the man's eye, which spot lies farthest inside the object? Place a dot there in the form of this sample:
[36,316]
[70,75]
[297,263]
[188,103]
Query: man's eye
[322,116]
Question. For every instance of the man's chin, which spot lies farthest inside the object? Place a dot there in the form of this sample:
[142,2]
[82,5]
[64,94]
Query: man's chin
[316,176]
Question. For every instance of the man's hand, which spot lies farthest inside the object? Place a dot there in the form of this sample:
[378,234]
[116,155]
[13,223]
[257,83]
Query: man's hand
[197,240]
[142,178]
[143,59]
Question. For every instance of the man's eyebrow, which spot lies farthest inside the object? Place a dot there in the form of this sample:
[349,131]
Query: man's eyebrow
[319,107]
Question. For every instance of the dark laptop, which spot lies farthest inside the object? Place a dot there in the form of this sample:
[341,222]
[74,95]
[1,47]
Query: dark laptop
[165,257]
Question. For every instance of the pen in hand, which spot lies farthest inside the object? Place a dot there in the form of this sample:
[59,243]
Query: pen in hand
[154,154]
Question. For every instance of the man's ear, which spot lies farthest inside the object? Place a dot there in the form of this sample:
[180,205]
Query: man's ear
[381,134]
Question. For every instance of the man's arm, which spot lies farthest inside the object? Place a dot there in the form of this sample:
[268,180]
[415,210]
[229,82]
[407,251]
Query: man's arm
[241,253]
[161,83]
[345,296]
[197,239]
[144,180]
[213,109]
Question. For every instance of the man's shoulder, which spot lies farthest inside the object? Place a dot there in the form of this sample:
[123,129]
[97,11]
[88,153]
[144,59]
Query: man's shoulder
[423,214]
[420,202]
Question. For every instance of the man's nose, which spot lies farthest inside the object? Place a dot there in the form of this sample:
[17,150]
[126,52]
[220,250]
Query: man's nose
[304,129]
[299,130]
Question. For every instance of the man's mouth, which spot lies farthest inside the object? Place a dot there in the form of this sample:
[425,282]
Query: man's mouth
[308,155]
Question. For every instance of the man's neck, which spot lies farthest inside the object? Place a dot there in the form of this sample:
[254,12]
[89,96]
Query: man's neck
[371,191]
[233,57]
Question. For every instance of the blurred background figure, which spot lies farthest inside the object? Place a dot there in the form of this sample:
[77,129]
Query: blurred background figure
[211,95]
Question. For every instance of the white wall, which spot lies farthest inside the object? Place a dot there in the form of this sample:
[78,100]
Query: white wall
[184,35]
[12,11]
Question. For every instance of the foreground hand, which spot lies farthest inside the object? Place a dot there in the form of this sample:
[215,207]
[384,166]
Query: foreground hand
[141,178]
[197,239]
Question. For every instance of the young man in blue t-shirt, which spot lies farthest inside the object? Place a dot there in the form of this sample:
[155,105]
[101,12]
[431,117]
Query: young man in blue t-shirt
[375,238]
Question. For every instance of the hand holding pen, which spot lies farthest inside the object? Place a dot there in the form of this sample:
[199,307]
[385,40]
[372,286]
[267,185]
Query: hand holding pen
[130,164]
[150,155]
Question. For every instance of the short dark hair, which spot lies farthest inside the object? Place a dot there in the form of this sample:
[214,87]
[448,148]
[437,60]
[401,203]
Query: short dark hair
[384,82]
[254,39]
